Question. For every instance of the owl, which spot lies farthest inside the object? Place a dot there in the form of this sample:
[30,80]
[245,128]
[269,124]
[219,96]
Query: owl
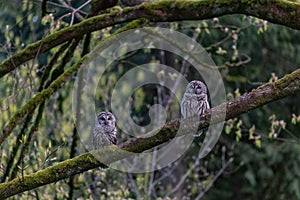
[194,101]
[105,132]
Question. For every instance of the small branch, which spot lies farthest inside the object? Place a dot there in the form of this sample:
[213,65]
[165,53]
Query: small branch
[188,172]
[75,137]
[76,10]
[48,68]
[31,132]
[133,185]
[40,97]
[220,172]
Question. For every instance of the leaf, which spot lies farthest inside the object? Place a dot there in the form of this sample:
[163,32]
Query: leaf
[258,143]
[227,129]
[249,175]
[238,135]
[251,132]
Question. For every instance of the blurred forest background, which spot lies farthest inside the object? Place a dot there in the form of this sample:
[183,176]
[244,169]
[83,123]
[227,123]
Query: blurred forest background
[256,157]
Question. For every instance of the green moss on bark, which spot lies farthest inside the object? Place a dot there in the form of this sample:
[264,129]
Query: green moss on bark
[55,85]
[277,11]
[40,97]
[288,85]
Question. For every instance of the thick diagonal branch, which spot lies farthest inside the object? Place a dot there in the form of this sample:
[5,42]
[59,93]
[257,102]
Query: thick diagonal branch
[286,86]
[55,85]
[277,11]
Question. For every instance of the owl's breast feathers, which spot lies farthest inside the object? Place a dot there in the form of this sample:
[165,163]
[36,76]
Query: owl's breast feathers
[112,137]
[102,138]
[195,97]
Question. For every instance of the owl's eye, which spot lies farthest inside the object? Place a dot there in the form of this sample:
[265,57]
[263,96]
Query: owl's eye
[102,118]
[109,118]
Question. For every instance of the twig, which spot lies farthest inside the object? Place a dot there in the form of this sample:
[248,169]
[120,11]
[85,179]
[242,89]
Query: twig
[189,171]
[220,172]
[77,9]
[137,192]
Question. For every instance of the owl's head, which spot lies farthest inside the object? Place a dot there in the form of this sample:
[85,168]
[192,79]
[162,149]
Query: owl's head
[196,87]
[106,120]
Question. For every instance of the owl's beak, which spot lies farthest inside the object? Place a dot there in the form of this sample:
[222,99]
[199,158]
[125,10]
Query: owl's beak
[106,122]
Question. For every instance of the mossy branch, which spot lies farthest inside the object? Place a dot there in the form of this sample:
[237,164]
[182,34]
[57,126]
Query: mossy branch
[37,99]
[277,11]
[55,85]
[286,86]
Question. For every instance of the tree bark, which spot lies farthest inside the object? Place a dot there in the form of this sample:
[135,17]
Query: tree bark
[277,11]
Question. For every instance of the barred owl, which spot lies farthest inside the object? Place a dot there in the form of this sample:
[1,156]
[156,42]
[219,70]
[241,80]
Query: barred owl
[105,132]
[194,101]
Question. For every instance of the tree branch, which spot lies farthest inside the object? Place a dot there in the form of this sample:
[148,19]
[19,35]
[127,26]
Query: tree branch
[286,86]
[277,11]
[36,100]
[55,85]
